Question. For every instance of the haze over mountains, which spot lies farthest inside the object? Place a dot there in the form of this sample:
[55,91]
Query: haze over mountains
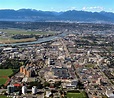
[71,15]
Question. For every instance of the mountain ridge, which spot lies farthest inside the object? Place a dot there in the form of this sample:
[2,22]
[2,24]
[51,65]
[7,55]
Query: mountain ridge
[70,15]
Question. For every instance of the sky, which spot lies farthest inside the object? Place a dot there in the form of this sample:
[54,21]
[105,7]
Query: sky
[59,5]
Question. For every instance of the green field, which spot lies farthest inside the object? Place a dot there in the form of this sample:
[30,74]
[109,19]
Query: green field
[7,37]
[10,40]
[89,65]
[6,72]
[76,95]
[3,81]
[3,96]
[21,31]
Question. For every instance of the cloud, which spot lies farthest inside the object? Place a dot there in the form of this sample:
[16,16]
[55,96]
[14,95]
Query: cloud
[94,8]
[111,10]
[84,8]
[73,8]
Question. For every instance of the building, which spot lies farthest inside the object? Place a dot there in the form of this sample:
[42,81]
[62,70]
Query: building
[10,89]
[34,90]
[48,94]
[71,84]
[17,85]
[26,70]
[24,90]
[109,94]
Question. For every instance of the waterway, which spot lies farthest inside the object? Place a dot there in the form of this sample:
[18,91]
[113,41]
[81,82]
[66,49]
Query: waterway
[40,40]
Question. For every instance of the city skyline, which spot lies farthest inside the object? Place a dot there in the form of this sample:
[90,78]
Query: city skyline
[59,5]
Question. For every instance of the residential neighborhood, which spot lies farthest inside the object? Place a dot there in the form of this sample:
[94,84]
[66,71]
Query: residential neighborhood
[73,63]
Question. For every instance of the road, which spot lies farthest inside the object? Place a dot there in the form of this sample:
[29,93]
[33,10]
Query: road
[68,54]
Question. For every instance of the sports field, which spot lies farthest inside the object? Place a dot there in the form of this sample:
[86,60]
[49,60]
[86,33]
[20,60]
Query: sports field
[76,95]
[4,73]
[3,81]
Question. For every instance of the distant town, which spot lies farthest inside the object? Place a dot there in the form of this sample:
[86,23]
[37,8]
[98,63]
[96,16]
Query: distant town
[56,60]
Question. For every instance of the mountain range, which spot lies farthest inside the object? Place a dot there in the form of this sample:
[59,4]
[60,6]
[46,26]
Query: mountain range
[71,15]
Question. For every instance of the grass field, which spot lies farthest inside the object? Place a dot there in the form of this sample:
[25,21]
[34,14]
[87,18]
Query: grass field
[3,80]
[4,73]
[76,95]
[3,96]
[20,31]
[7,38]
[89,65]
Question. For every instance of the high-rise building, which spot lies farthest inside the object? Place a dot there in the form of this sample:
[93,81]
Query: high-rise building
[24,90]
[34,90]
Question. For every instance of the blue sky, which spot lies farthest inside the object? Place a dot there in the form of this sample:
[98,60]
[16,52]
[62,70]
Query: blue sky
[59,5]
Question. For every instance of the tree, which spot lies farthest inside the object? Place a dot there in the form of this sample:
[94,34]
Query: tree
[46,84]
[57,84]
